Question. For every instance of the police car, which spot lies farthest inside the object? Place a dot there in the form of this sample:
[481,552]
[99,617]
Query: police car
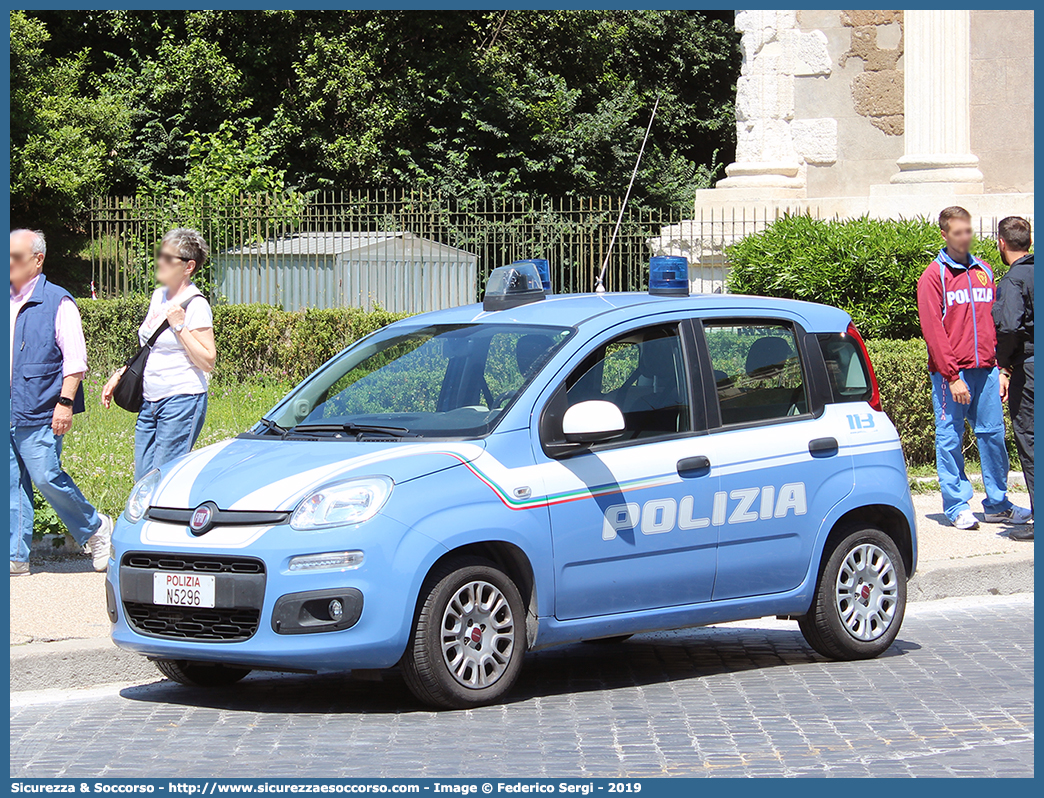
[467,485]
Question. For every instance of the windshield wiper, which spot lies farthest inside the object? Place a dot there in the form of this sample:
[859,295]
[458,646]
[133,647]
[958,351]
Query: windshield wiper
[357,429]
[271,426]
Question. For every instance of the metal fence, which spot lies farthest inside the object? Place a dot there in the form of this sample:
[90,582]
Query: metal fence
[253,237]
[253,232]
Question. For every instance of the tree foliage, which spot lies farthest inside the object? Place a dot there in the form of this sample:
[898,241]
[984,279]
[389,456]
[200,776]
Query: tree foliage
[477,102]
[65,131]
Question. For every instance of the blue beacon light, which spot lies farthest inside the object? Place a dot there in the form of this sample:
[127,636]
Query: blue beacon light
[513,285]
[668,276]
[543,269]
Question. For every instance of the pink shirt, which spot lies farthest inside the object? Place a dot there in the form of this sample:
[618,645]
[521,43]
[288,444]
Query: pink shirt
[68,330]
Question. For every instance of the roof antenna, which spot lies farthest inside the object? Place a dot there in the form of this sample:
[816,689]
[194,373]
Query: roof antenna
[600,283]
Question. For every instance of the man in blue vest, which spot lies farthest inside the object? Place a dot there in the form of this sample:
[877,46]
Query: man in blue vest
[48,361]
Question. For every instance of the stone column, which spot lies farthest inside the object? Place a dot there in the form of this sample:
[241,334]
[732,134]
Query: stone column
[772,147]
[765,156]
[937,136]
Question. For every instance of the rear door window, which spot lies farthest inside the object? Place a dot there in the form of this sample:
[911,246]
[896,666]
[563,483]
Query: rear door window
[757,369]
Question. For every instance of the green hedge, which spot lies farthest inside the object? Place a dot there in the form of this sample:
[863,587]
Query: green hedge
[868,267]
[253,341]
[906,395]
[261,342]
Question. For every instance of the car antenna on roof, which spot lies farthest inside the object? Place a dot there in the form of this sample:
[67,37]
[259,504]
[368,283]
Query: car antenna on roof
[600,283]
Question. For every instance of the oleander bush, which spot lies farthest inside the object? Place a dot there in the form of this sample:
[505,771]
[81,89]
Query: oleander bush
[868,267]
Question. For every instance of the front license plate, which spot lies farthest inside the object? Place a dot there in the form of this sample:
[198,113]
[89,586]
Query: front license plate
[183,590]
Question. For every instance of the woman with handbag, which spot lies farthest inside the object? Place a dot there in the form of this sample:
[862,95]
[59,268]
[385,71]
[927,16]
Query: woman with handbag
[168,378]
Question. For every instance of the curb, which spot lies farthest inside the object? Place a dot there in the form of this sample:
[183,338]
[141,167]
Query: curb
[55,546]
[990,574]
[74,664]
[1015,478]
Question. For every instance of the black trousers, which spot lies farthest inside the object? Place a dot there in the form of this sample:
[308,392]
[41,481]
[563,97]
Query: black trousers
[1020,403]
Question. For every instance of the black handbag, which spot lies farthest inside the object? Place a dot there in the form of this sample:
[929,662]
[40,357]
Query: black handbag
[129,392]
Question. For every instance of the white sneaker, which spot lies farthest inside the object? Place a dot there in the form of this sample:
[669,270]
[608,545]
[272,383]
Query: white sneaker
[98,543]
[966,520]
[1013,515]
[19,568]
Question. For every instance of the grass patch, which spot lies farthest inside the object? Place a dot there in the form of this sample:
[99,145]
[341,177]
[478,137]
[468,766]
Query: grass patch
[99,451]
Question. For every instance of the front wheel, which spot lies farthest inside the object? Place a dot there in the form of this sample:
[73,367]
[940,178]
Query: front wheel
[469,638]
[860,600]
[199,674]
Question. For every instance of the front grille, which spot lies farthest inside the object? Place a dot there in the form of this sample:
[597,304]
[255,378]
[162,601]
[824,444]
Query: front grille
[191,623]
[194,562]
[239,595]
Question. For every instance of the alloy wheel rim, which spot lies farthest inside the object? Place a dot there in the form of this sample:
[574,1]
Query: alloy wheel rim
[867,592]
[478,634]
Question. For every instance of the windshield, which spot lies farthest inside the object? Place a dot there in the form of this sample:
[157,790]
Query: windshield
[450,380]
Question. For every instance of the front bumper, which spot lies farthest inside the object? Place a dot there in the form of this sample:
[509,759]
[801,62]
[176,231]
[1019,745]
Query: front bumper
[266,616]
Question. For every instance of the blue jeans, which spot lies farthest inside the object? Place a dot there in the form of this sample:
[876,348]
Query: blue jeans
[167,429]
[986,415]
[36,458]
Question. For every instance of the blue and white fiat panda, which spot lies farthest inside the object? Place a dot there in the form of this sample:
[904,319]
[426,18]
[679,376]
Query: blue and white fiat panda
[467,485]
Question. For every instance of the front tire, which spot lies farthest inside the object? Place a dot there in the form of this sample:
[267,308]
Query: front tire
[860,600]
[469,637]
[200,674]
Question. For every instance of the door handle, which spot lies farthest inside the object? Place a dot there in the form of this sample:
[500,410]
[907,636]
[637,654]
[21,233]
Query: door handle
[823,447]
[698,466]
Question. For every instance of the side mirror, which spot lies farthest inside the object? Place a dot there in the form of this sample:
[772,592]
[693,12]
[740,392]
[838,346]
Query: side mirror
[592,422]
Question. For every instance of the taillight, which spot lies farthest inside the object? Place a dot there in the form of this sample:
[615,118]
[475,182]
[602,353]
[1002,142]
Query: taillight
[875,396]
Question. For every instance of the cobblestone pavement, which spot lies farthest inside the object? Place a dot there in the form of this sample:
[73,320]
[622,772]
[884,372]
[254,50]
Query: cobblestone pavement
[953,697]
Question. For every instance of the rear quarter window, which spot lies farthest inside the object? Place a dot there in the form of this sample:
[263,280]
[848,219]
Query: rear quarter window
[846,367]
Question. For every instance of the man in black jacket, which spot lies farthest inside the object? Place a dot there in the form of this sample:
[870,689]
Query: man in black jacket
[1013,315]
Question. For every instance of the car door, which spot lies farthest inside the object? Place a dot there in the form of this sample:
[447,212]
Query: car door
[779,465]
[631,518]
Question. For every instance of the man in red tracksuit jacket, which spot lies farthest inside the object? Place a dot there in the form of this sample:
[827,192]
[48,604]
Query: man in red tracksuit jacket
[955,306]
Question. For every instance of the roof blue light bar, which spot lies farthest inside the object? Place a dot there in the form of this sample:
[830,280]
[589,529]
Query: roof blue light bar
[543,269]
[668,276]
[510,286]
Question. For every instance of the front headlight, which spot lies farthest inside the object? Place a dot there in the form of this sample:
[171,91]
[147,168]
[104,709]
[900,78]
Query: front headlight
[342,504]
[141,496]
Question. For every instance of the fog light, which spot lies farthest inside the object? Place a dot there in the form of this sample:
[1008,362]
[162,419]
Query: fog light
[336,610]
[331,561]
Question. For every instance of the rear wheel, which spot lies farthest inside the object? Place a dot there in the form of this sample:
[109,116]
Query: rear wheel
[860,600]
[200,674]
[469,638]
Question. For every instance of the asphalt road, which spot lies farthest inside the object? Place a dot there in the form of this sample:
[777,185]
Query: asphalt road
[953,697]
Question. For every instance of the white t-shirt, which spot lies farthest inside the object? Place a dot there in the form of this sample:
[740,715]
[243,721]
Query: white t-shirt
[169,371]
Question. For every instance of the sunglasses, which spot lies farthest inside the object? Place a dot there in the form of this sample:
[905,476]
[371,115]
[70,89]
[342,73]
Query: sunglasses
[167,257]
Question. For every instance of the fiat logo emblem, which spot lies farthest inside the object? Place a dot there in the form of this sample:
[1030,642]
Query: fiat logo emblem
[202,518]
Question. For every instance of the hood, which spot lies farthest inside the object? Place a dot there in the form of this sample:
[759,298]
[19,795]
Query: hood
[274,475]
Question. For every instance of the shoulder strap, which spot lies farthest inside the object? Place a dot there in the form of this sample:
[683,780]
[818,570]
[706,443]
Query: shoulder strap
[159,330]
[155,336]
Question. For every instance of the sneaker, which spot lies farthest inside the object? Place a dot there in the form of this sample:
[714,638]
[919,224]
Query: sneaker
[1013,515]
[99,544]
[19,568]
[966,520]
[1026,533]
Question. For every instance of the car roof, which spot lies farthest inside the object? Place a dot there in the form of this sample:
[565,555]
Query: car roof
[574,310]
